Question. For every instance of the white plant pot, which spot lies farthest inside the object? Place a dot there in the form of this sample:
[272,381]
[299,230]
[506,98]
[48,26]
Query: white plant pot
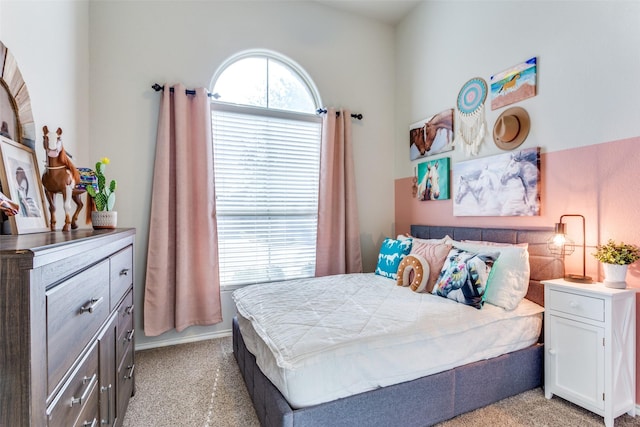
[104,219]
[615,275]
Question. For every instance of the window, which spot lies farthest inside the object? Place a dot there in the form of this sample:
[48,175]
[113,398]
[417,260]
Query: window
[266,139]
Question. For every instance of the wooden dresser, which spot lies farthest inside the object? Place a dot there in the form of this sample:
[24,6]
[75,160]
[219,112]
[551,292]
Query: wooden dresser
[66,328]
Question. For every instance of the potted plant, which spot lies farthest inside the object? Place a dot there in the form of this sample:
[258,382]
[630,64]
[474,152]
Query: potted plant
[615,258]
[104,199]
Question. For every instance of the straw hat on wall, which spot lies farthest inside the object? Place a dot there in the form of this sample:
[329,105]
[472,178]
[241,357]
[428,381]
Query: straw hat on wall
[511,128]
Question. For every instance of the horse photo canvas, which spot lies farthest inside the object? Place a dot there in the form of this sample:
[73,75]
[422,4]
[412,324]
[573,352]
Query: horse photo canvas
[433,179]
[502,185]
[431,136]
[514,84]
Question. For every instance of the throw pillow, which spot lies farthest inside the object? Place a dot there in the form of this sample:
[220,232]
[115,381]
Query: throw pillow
[464,276]
[510,277]
[416,267]
[391,254]
[435,254]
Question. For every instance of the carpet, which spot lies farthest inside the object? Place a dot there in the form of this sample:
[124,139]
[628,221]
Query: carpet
[199,384]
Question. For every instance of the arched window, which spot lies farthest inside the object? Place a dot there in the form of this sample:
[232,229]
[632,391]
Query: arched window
[266,138]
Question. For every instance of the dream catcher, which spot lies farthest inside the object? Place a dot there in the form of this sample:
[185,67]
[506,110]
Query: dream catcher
[471,126]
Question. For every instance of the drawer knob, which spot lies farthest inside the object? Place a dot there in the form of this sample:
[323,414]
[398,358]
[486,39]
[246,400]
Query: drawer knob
[90,382]
[108,390]
[130,368]
[552,351]
[93,423]
[91,305]
[573,304]
[124,272]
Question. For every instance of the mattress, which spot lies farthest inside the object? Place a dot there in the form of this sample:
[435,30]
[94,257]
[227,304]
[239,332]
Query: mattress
[325,338]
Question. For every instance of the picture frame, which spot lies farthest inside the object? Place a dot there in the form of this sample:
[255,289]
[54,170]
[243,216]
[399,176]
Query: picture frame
[21,182]
[501,185]
[433,179]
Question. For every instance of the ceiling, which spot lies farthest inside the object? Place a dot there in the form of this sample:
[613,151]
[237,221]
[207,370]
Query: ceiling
[387,11]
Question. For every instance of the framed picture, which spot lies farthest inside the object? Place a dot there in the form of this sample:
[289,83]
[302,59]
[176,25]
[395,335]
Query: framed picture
[432,135]
[20,180]
[514,84]
[433,178]
[502,185]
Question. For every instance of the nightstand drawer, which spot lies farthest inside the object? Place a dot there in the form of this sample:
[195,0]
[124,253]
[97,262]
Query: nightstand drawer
[577,305]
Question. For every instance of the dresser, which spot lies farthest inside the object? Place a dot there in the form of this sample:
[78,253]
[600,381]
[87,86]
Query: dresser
[66,328]
[590,343]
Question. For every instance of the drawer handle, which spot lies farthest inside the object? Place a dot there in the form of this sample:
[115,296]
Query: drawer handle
[129,336]
[124,272]
[130,368]
[87,390]
[91,305]
[129,310]
[108,390]
[573,304]
[90,423]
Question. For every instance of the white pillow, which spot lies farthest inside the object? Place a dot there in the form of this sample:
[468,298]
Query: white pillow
[509,280]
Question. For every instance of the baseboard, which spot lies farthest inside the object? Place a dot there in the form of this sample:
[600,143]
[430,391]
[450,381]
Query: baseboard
[183,340]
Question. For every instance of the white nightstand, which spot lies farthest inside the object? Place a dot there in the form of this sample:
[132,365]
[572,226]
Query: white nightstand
[590,344]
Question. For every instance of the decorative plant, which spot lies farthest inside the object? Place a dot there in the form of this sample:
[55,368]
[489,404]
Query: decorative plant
[617,253]
[105,197]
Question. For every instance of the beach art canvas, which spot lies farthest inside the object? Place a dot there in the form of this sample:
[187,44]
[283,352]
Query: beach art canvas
[433,179]
[503,185]
[432,135]
[514,84]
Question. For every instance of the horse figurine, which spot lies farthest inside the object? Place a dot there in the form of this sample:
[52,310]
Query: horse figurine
[61,176]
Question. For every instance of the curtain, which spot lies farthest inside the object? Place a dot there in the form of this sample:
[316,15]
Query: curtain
[182,286]
[338,241]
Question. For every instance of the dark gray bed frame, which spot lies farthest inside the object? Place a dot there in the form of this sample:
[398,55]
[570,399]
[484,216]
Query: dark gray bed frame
[427,400]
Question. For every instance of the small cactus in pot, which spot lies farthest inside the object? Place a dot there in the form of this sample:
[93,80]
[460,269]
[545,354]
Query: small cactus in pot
[104,197]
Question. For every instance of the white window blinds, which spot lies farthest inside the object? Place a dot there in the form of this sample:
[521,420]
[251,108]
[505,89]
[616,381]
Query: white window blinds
[266,167]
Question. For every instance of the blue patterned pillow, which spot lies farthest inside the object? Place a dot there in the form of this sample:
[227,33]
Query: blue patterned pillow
[464,276]
[391,254]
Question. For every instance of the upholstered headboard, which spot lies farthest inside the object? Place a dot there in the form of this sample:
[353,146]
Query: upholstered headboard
[544,265]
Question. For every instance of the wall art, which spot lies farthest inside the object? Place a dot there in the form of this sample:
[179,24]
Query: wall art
[20,179]
[433,179]
[471,125]
[431,136]
[502,185]
[514,84]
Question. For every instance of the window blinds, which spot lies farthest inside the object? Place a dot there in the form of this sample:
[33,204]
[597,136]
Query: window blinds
[266,168]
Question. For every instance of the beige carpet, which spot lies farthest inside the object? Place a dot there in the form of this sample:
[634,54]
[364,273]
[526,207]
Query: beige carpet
[199,385]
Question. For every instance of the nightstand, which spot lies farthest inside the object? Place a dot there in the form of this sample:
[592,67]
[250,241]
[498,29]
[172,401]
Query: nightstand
[590,343]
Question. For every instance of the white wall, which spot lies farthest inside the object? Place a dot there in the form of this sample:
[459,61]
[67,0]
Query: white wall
[134,44]
[49,40]
[588,67]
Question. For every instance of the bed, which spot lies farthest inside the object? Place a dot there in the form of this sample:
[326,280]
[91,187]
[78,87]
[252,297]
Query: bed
[423,401]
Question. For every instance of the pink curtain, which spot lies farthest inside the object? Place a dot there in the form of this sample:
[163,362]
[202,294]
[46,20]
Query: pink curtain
[182,286]
[338,243]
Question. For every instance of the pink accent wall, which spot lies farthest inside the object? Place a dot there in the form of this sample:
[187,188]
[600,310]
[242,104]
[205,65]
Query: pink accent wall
[601,182]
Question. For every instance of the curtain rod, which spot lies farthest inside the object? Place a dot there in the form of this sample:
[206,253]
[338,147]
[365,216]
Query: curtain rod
[158,88]
[354,115]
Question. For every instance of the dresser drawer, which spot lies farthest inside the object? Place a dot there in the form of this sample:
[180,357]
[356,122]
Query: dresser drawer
[125,330]
[577,305]
[76,309]
[125,381]
[79,395]
[121,274]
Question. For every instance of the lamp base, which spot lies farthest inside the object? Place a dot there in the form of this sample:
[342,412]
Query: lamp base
[578,278]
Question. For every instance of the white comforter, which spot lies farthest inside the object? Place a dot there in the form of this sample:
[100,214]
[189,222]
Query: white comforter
[307,328]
